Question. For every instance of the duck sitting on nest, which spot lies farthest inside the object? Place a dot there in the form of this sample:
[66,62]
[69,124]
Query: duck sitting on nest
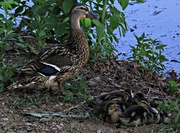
[60,62]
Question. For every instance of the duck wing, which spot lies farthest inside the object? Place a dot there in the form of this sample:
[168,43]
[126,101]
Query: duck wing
[49,62]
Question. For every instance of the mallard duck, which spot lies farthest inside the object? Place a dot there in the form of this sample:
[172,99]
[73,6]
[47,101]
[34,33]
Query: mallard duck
[60,62]
[117,95]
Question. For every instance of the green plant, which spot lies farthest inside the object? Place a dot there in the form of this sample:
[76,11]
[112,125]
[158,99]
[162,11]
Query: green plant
[111,19]
[6,72]
[76,90]
[46,23]
[7,34]
[145,129]
[25,100]
[173,107]
[147,54]
[173,86]
[168,129]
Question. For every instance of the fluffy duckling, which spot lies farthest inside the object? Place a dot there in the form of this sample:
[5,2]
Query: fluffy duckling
[108,110]
[157,116]
[136,98]
[139,113]
[124,105]
[135,115]
[162,116]
[117,95]
[145,103]
[112,113]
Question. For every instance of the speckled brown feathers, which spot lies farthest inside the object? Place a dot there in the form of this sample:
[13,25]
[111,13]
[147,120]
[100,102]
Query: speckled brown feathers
[60,62]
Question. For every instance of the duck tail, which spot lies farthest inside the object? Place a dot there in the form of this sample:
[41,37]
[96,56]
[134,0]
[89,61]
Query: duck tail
[14,86]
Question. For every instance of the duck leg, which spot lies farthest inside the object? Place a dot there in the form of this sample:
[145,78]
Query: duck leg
[57,87]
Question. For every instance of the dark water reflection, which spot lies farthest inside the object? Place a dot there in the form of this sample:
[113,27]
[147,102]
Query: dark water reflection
[159,19]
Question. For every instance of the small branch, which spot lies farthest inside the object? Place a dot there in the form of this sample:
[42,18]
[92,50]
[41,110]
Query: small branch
[50,114]
[104,10]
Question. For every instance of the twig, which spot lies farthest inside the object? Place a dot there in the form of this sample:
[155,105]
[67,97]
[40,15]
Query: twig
[51,114]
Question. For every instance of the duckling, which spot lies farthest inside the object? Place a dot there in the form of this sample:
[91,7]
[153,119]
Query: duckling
[109,111]
[112,113]
[140,112]
[162,116]
[124,105]
[117,95]
[60,62]
[135,115]
[136,98]
[145,103]
[100,107]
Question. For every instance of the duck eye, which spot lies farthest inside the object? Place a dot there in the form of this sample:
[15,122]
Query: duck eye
[83,8]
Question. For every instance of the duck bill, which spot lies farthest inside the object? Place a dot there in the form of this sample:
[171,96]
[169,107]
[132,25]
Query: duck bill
[90,15]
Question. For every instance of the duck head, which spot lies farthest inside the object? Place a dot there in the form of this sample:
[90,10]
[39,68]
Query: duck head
[79,11]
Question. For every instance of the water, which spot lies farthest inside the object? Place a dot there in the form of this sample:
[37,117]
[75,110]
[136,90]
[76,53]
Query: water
[158,19]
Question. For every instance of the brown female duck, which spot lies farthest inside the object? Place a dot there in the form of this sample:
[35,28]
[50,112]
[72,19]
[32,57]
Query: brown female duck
[60,62]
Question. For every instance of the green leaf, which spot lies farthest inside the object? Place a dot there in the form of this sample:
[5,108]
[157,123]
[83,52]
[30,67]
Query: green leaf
[52,20]
[140,1]
[123,3]
[18,10]
[56,10]
[66,20]
[98,1]
[161,46]
[21,45]
[67,5]
[87,22]
[97,22]
[100,32]
[7,6]
[61,29]
[110,30]
[39,10]
[114,22]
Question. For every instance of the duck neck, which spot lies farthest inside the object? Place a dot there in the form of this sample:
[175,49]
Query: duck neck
[77,36]
[74,23]
[77,41]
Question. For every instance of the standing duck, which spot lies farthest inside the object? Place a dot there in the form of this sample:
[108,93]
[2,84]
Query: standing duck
[59,62]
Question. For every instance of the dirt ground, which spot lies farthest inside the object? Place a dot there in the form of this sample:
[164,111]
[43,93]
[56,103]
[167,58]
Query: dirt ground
[102,77]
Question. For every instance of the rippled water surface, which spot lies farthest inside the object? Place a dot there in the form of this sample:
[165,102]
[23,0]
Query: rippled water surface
[159,19]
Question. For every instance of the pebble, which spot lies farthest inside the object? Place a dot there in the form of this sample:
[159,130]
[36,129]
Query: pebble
[5,119]
[44,119]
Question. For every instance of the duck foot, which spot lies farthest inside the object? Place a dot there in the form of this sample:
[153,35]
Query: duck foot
[57,89]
